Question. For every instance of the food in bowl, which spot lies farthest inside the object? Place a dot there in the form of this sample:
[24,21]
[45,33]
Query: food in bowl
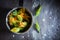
[19,20]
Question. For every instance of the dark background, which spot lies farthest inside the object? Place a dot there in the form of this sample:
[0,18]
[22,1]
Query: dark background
[7,5]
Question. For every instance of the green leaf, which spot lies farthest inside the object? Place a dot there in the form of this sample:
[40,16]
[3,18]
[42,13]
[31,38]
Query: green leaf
[14,13]
[38,10]
[19,18]
[19,11]
[25,23]
[21,28]
[37,27]
[11,16]
[15,29]
[15,24]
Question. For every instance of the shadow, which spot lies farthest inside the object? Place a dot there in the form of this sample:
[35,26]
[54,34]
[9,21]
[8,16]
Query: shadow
[21,3]
[55,3]
[5,7]
[3,13]
[35,27]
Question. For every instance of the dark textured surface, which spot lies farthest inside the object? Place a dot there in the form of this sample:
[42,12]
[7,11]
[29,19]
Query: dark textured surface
[5,7]
[49,20]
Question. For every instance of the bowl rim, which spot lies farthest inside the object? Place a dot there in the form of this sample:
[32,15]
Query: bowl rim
[15,9]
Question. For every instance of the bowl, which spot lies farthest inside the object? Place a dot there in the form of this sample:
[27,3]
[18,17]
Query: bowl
[17,28]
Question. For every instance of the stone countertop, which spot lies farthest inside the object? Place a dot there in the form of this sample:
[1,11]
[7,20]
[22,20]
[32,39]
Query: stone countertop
[49,20]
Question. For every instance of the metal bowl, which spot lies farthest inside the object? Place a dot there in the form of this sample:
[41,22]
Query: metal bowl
[8,26]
